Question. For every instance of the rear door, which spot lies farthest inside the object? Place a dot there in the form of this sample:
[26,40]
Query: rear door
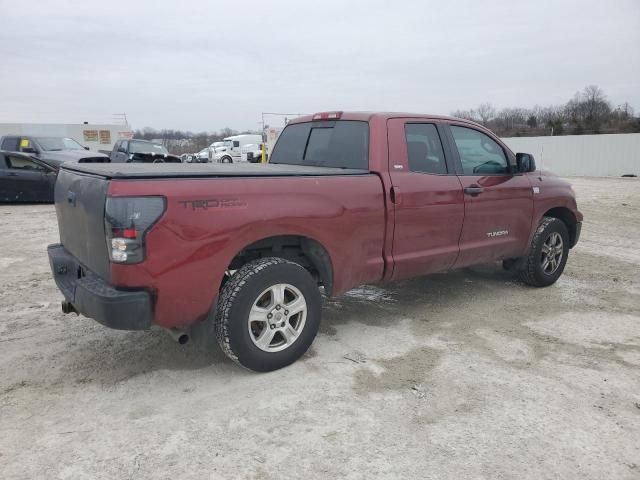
[427,198]
[498,203]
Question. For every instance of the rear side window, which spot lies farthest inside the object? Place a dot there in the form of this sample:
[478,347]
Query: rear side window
[338,144]
[424,149]
[479,153]
[10,144]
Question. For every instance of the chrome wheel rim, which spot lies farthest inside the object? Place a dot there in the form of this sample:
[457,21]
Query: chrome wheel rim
[552,251]
[277,317]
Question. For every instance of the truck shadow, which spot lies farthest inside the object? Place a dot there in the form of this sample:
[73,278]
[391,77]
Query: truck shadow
[110,357]
[384,304]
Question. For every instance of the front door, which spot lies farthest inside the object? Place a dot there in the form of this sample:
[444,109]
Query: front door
[29,182]
[498,203]
[427,198]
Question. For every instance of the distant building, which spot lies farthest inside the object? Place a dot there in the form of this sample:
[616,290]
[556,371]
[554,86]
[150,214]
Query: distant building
[96,137]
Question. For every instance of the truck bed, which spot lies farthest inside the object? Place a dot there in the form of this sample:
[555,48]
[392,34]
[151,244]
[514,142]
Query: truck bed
[196,170]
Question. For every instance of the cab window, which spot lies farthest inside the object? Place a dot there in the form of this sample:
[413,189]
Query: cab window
[424,149]
[10,144]
[479,153]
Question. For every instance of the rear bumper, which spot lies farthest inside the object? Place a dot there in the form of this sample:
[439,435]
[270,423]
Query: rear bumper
[91,296]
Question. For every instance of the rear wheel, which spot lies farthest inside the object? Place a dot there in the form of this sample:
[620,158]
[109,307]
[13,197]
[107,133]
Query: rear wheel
[547,254]
[268,314]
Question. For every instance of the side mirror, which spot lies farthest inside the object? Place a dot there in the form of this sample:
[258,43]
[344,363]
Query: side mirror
[85,147]
[525,163]
[28,150]
[122,150]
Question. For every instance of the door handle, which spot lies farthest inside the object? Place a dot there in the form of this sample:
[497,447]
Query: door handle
[473,190]
[12,174]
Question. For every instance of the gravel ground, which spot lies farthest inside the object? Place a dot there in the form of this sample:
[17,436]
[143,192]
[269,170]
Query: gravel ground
[462,375]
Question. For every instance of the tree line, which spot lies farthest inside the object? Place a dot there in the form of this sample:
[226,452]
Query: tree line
[588,112]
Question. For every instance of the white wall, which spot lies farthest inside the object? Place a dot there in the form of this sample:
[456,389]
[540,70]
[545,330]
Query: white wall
[73,130]
[583,155]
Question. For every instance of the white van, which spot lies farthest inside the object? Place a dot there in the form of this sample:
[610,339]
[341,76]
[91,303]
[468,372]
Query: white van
[234,146]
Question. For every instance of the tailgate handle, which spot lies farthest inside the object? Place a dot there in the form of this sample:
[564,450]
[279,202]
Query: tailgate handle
[71,198]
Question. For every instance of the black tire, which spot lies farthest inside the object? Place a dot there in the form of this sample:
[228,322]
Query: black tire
[530,268]
[236,300]
[226,160]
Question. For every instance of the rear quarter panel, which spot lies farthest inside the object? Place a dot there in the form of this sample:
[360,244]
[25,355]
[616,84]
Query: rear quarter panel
[191,246]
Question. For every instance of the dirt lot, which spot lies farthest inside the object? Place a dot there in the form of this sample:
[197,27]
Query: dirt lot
[462,375]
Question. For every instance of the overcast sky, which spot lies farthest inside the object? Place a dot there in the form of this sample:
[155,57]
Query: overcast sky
[208,64]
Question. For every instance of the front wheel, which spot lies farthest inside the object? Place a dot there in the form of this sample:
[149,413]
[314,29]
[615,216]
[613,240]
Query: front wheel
[547,255]
[268,314]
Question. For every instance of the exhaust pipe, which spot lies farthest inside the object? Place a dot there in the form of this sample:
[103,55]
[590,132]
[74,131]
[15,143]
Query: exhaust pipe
[180,336]
[67,307]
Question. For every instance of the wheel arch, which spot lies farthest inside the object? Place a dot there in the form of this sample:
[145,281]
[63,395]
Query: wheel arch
[568,218]
[300,249]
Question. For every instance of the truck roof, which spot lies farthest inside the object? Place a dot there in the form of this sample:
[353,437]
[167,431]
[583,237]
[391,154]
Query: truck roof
[197,170]
[368,116]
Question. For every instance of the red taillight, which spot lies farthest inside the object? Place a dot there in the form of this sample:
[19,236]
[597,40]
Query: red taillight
[129,233]
[124,232]
[327,116]
[127,220]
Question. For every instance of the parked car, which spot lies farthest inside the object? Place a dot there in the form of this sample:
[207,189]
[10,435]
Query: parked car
[347,199]
[201,157]
[24,178]
[141,151]
[52,150]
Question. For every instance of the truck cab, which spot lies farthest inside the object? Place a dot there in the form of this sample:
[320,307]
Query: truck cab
[234,145]
[141,151]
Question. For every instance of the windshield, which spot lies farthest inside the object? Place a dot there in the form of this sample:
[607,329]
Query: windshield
[146,147]
[56,144]
[339,144]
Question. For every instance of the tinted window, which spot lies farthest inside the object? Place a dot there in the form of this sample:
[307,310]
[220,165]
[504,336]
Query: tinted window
[10,144]
[236,143]
[340,144]
[54,144]
[424,149]
[146,147]
[21,163]
[479,153]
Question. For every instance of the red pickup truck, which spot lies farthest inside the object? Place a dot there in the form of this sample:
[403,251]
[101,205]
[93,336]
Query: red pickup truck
[347,199]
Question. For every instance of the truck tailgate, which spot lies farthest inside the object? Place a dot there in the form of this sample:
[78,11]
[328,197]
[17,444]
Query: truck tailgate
[80,201]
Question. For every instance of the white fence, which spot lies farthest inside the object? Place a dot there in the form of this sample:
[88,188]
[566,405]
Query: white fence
[583,155]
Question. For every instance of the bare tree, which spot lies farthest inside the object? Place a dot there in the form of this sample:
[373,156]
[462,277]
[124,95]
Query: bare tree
[465,114]
[486,112]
